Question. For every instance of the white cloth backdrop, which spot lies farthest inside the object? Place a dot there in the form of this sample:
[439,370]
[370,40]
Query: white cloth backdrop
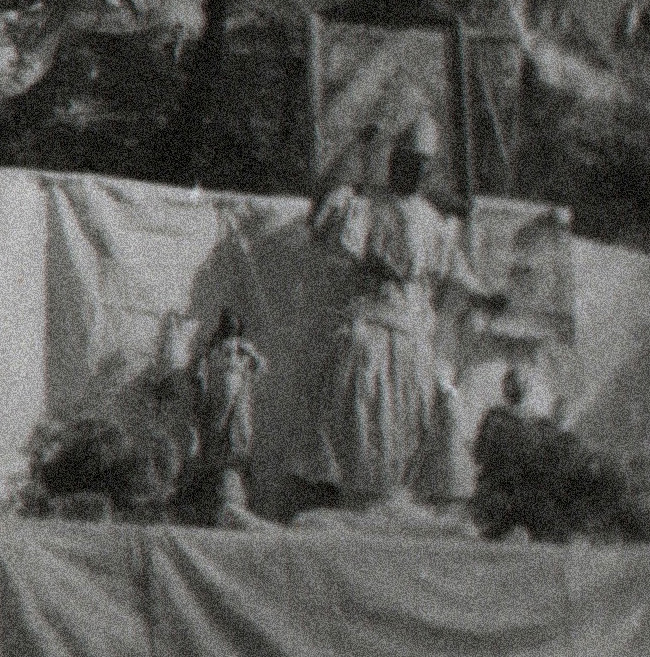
[22,313]
[90,265]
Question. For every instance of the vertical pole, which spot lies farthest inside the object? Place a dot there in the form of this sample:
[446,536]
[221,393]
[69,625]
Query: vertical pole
[499,134]
[201,110]
[518,131]
[465,159]
[314,75]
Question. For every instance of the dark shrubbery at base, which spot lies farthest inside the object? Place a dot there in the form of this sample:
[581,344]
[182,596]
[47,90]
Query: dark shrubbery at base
[547,482]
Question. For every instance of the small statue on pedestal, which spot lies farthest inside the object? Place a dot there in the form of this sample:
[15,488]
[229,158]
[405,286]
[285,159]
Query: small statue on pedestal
[221,472]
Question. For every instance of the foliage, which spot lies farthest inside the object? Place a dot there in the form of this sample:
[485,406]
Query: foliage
[534,476]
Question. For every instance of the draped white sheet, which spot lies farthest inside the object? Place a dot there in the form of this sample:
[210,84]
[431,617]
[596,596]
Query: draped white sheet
[118,590]
[90,266]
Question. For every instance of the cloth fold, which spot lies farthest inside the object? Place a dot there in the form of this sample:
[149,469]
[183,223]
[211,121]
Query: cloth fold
[84,590]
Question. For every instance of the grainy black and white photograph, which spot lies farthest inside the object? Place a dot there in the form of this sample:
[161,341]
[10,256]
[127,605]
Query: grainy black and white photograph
[324,328]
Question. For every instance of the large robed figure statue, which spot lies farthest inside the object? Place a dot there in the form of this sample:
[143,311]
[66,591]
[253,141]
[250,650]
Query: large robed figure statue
[384,419]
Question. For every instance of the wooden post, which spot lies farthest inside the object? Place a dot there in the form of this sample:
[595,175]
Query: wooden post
[500,137]
[314,74]
[205,78]
[464,124]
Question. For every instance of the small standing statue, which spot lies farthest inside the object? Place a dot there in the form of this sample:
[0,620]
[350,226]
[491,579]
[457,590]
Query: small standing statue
[228,372]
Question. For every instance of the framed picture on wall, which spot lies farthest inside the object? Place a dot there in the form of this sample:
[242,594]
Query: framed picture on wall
[522,250]
[377,78]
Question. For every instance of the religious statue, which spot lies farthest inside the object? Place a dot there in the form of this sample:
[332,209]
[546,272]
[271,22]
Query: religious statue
[220,473]
[382,424]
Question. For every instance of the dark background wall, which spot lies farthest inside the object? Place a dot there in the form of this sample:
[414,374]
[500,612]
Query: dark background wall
[234,108]
[227,110]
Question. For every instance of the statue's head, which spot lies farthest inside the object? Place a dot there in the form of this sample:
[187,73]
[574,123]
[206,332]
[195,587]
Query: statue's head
[405,170]
[513,387]
[231,325]
[415,147]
